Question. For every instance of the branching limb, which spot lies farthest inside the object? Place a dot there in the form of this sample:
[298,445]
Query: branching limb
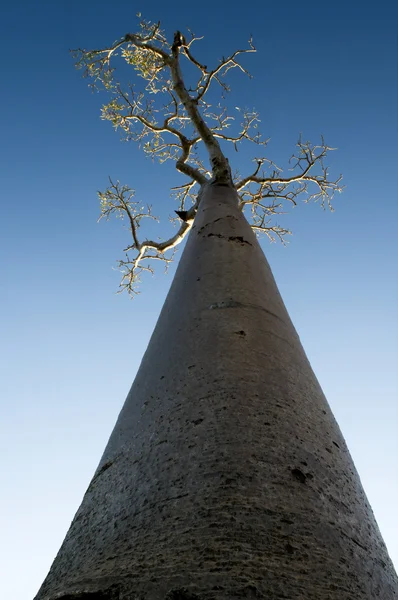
[158,63]
[171,120]
[262,218]
[273,231]
[310,173]
[164,150]
[117,200]
[185,193]
[220,71]
[220,165]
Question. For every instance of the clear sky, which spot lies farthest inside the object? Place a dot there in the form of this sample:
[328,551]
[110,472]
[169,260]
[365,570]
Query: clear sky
[70,346]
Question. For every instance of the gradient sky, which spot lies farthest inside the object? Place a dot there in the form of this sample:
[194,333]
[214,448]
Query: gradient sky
[70,346]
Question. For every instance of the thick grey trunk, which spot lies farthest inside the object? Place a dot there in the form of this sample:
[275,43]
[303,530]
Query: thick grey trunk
[226,474]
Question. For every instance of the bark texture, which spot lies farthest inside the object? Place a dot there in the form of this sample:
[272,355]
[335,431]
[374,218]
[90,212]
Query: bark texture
[226,475]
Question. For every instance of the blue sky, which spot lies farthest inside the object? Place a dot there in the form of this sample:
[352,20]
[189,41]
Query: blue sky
[70,346]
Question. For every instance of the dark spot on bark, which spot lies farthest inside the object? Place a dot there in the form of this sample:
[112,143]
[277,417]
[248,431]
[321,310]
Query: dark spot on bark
[105,467]
[250,591]
[181,594]
[241,333]
[309,476]
[239,239]
[289,549]
[358,544]
[198,279]
[328,450]
[299,475]
[288,521]
[304,463]
[183,214]
[197,421]
[191,366]
[336,444]
[111,593]
[162,377]
[266,423]
[215,235]
[225,304]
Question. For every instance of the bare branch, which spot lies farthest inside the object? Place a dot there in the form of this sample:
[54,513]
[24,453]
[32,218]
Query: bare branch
[184,193]
[117,200]
[308,163]
[220,165]
[172,121]
[225,65]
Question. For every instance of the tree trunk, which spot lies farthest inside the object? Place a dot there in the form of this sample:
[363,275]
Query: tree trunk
[226,475]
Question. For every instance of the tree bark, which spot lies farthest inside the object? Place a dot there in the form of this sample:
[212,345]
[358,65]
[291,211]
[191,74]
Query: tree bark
[226,475]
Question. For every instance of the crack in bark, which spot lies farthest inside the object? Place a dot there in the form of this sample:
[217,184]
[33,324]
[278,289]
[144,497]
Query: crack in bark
[238,238]
[231,238]
[215,221]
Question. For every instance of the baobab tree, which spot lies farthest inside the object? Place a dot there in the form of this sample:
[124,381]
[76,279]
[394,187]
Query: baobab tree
[226,475]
